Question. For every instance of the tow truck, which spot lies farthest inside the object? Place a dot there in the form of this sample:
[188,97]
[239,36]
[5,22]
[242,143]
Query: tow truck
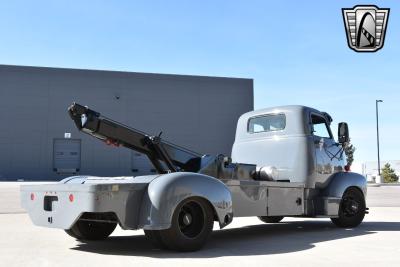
[285,162]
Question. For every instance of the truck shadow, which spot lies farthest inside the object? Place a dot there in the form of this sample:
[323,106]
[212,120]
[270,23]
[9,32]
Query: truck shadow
[261,239]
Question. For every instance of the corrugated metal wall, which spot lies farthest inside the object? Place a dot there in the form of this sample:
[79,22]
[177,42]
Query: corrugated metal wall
[196,112]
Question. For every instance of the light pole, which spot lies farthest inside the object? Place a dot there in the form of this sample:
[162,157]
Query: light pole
[377,135]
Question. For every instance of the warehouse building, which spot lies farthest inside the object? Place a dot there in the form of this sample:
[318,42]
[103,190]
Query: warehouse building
[38,140]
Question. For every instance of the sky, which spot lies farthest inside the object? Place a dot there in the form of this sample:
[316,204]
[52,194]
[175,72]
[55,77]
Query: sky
[296,51]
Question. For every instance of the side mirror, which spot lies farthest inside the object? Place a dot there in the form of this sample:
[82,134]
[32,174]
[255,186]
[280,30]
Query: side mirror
[343,133]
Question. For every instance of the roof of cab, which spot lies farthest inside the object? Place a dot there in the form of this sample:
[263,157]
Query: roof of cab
[295,116]
[279,109]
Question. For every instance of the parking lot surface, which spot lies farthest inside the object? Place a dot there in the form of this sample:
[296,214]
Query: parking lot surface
[246,242]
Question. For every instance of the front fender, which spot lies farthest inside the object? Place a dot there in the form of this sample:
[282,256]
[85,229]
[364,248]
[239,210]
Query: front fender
[168,190]
[339,182]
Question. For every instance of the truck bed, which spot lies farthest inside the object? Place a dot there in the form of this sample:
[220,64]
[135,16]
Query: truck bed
[61,205]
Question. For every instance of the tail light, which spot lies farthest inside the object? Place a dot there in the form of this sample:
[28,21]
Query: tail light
[111,142]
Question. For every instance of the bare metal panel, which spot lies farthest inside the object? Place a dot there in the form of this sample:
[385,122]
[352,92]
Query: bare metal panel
[249,199]
[255,198]
[285,201]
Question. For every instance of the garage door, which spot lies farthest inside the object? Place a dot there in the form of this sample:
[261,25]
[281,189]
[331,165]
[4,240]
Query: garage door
[66,156]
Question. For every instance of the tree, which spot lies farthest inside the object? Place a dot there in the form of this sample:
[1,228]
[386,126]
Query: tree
[349,150]
[388,174]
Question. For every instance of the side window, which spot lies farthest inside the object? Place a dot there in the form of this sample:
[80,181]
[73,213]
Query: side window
[266,123]
[320,127]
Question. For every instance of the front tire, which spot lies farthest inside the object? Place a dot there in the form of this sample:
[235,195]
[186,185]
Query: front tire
[351,210]
[191,226]
[89,230]
[270,219]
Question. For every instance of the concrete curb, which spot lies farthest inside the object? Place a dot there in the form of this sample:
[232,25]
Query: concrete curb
[383,184]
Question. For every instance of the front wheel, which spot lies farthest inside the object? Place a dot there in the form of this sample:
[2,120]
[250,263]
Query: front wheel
[192,224]
[351,210]
[89,230]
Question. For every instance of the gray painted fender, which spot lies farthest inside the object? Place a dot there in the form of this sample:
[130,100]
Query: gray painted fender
[167,191]
[340,181]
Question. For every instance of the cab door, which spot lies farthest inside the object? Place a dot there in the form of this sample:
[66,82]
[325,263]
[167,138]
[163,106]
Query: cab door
[327,151]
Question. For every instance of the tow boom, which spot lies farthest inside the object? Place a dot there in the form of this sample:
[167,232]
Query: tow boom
[165,156]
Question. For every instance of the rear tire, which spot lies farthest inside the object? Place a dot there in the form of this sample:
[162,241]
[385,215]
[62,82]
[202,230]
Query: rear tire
[155,238]
[351,210]
[270,219]
[88,230]
[191,226]
[70,232]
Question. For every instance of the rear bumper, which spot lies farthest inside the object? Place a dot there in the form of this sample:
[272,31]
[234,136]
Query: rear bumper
[61,205]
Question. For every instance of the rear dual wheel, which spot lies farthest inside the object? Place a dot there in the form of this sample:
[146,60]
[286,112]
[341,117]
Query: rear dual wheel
[89,230]
[155,238]
[270,219]
[192,224]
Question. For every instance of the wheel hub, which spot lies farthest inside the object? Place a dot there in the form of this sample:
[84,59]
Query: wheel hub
[354,207]
[191,219]
[351,207]
[187,219]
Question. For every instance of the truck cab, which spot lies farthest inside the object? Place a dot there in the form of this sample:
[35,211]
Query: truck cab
[295,142]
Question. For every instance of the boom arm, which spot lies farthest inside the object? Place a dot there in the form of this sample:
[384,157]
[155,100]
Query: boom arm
[165,156]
